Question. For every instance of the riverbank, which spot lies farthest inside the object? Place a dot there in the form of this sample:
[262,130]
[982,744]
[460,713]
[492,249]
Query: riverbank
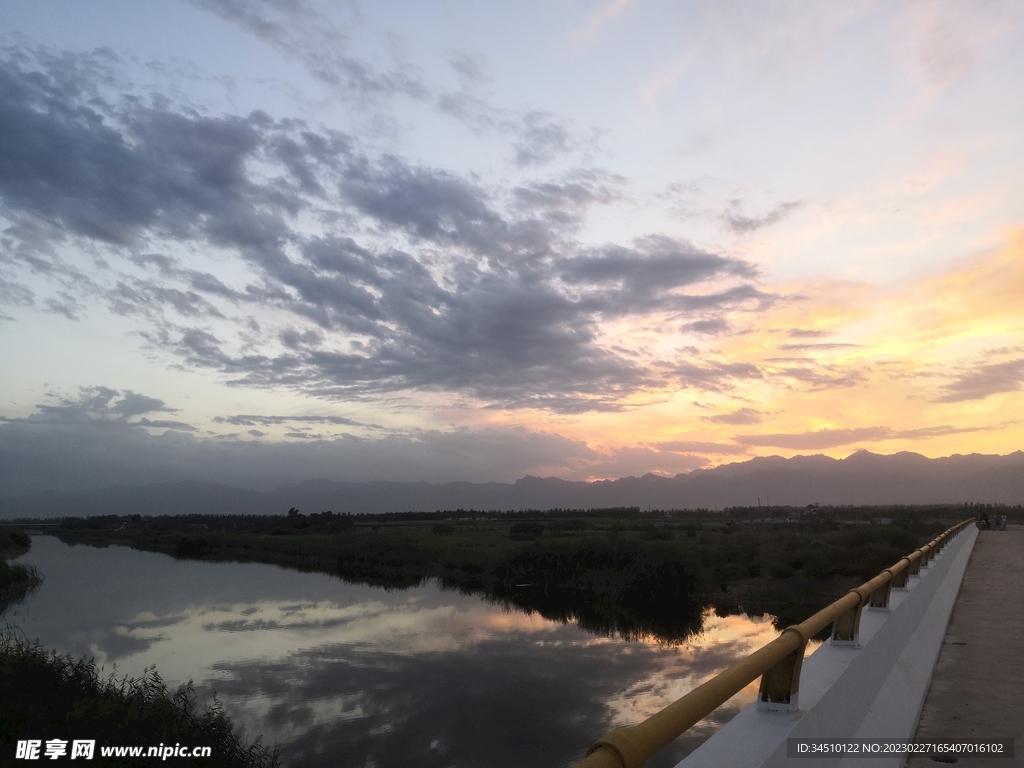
[621,573]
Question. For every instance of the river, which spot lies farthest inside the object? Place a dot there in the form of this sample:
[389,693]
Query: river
[347,675]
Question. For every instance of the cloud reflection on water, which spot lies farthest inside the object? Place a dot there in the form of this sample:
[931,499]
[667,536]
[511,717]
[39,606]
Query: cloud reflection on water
[349,675]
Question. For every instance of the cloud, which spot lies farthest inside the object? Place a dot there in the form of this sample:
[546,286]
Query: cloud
[64,304]
[469,67]
[13,294]
[541,139]
[429,204]
[806,333]
[741,224]
[304,31]
[830,438]
[824,438]
[165,424]
[739,416]
[697,446]
[714,376]
[249,420]
[565,200]
[93,405]
[938,431]
[822,377]
[822,346]
[132,404]
[65,160]
[984,381]
[711,327]
[314,35]
[451,287]
[87,441]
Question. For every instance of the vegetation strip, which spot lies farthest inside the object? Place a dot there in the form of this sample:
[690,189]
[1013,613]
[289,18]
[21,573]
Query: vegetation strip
[619,571]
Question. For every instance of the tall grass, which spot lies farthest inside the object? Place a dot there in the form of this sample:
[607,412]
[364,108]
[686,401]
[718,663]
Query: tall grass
[46,695]
[16,581]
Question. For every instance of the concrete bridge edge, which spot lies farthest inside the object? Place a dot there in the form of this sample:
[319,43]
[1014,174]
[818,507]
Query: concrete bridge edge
[879,692]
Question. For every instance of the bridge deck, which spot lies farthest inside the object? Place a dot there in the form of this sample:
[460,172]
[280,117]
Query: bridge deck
[977,689]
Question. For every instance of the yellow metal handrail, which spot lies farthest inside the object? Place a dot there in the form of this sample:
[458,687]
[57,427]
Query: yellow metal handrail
[777,664]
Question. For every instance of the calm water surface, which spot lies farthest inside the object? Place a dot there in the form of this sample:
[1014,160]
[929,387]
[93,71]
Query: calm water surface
[348,675]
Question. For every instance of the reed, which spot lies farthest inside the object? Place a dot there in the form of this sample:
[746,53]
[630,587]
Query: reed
[47,695]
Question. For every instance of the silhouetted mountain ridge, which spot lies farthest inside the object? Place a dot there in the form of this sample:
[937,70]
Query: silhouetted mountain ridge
[861,478]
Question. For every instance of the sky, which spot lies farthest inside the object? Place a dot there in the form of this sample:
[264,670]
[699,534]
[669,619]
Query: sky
[262,241]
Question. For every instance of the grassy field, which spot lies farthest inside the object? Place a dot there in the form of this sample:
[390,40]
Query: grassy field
[617,571]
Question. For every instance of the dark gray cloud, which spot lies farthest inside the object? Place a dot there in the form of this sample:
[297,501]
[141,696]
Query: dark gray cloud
[985,380]
[741,225]
[96,404]
[132,404]
[67,159]
[63,303]
[565,200]
[653,270]
[488,296]
[711,327]
[429,204]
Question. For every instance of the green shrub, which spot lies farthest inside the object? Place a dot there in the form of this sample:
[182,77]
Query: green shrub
[44,694]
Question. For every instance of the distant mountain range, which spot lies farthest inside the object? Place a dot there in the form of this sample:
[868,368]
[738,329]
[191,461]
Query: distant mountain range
[862,478]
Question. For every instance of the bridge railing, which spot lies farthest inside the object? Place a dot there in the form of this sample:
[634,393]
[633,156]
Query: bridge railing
[777,664]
